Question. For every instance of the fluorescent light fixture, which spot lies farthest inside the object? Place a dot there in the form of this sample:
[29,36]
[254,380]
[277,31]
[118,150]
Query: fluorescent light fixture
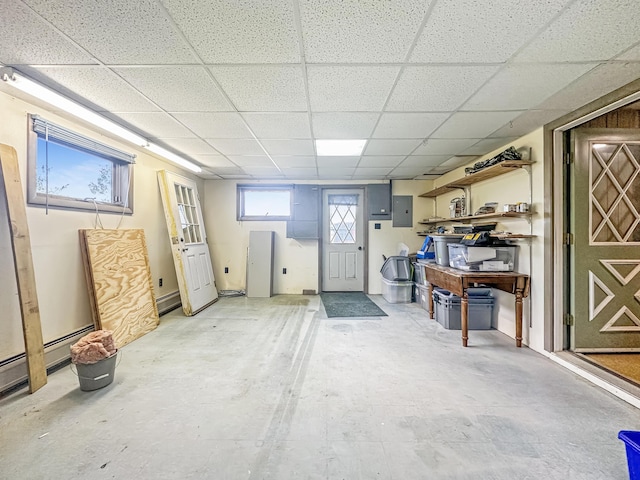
[56,100]
[340,148]
[173,157]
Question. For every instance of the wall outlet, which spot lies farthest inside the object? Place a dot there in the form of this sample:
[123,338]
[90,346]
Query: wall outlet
[159,282]
[284,271]
[226,269]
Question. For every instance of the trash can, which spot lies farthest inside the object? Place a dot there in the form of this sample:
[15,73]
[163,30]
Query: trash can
[93,376]
[631,440]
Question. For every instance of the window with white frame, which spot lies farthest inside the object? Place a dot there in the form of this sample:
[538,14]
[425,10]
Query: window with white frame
[264,202]
[70,170]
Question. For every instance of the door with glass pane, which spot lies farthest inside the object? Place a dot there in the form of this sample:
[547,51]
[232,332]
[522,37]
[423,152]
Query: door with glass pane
[342,240]
[604,260]
[188,242]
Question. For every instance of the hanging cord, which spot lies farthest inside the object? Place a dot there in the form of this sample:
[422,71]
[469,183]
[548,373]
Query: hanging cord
[97,220]
[46,169]
[126,197]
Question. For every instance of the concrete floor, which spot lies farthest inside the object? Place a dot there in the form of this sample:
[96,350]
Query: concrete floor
[272,389]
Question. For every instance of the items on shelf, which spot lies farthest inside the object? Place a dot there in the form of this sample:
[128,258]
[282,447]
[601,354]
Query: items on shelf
[457,207]
[509,154]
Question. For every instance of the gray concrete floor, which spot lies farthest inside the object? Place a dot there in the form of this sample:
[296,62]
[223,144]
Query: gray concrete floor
[272,389]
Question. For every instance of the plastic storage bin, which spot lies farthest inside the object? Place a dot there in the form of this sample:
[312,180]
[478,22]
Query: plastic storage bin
[441,242]
[496,258]
[418,274]
[397,268]
[447,308]
[631,440]
[422,296]
[397,291]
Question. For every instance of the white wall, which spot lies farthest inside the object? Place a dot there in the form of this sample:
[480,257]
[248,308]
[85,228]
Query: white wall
[229,239]
[511,188]
[60,283]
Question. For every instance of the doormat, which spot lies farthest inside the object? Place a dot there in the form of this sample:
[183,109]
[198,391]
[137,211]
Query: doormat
[624,365]
[350,304]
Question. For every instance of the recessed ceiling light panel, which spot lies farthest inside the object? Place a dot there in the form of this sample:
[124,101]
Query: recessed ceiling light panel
[340,148]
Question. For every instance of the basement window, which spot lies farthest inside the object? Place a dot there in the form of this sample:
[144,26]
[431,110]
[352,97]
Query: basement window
[68,170]
[264,202]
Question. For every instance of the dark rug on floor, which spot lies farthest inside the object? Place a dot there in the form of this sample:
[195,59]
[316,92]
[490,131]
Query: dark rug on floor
[350,304]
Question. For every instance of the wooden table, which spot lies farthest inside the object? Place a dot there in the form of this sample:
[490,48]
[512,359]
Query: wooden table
[457,281]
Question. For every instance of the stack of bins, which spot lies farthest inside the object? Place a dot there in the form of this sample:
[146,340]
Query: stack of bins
[421,287]
[447,308]
[397,280]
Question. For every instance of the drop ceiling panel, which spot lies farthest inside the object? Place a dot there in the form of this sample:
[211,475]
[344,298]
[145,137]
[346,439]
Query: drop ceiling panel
[594,84]
[407,172]
[373,173]
[20,25]
[527,122]
[263,172]
[519,87]
[474,124]
[324,162]
[295,161]
[177,89]
[239,31]
[239,146]
[215,161]
[288,147]
[445,146]
[98,85]
[336,173]
[381,161]
[300,173]
[227,172]
[408,125]
[251,160]
[112,31]
[358,89]
[466,31]
[157,125]
[631,54]
[263,88]
[341,125]
[424,160]
[190,146]
[587,30]
[391,147]
[279,125]
[487,145]
[437,88]
[360,32]
[215,124]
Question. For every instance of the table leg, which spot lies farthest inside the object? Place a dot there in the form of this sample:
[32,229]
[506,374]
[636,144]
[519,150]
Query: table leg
[464,312]
[430,300]
[519,317]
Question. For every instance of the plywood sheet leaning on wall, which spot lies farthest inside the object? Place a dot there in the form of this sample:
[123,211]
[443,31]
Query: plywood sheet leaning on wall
[119,282]
[11,187]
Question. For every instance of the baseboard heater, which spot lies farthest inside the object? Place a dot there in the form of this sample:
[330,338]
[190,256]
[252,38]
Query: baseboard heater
[13,370]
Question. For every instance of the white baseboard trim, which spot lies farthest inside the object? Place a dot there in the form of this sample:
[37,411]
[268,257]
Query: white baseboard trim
[168,302]
[13,371]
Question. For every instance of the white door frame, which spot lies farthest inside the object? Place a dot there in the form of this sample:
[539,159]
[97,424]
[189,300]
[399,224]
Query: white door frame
[365,238]
[556,242]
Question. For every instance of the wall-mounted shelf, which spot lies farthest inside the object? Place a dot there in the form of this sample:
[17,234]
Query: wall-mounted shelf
[484,174]
[501,236]
[478,217]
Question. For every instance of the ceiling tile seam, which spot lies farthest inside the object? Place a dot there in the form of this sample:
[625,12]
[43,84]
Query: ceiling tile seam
[416,37]
[64,35]
[305,78]
[102,65]
[210,74]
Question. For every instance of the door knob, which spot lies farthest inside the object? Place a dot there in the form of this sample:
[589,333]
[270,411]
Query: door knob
[359,248]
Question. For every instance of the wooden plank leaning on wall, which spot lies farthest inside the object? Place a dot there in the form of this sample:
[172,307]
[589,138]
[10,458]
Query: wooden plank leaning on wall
[23,261]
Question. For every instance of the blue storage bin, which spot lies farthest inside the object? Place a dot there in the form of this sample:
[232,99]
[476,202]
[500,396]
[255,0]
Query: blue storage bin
[631,440]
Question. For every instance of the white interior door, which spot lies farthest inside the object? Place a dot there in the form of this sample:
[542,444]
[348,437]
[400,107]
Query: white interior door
[342,240]
[188,242]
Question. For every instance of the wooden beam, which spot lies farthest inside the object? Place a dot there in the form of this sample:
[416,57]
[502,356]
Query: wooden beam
[23,261]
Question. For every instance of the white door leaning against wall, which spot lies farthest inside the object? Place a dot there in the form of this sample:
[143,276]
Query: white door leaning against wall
[188,241]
